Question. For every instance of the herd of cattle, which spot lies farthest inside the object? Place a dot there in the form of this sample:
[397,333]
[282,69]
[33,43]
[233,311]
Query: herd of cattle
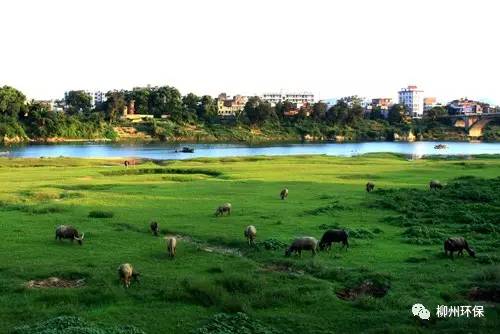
[126,272]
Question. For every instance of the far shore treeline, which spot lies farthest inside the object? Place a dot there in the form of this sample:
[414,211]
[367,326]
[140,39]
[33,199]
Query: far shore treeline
[194,118]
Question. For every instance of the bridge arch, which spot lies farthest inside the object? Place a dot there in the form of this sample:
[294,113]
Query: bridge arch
[476,130]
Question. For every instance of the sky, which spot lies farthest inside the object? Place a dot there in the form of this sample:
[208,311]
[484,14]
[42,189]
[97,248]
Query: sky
[372,48]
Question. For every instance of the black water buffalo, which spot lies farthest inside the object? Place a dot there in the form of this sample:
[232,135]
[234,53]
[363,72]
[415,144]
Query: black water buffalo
[457,244]
[369,187]
[155,228]
[224,208]
[284,193]
[68,232]
[435,184]
[332,236]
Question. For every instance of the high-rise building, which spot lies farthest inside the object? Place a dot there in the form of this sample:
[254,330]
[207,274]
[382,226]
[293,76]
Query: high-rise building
[412,98]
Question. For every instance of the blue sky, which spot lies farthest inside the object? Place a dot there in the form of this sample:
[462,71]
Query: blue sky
[331,48]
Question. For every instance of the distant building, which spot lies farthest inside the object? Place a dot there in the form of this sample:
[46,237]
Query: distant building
[230,107]
[466,106]
[429,103]
[384,103]
[298,98]
[96,98]
[49,104]
[412,98]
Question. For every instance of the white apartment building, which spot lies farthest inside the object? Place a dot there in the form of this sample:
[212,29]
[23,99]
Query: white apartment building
[298,98]
[96,98]
[412,98]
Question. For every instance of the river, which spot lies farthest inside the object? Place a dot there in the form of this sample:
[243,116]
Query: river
[167,150]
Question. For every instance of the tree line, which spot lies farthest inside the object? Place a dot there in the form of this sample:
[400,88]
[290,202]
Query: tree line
[19,117]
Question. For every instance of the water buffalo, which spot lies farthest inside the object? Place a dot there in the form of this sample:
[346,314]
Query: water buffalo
[68,232]
[250,233]
[435,184]
[457,244]
[303,243]
[155,228]
[370,186]
[224,208]
[171,246]
[332,236]
[126,273]
[131,162]
[284,193]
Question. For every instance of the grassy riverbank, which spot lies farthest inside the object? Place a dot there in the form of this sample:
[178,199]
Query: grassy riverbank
[396,236]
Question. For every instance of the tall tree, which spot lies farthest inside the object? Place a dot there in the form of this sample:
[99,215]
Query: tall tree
[78,101]
[396,113]
[258,111]
[12,102]
[319,111]
[42,122]
[166,100]
[190,103]
[141,99]
[435,112]
[115,104]
[207,109]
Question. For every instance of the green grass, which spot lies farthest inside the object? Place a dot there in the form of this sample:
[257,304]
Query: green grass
[396,242]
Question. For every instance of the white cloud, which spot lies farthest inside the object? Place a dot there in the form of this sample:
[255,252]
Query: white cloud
[333,48]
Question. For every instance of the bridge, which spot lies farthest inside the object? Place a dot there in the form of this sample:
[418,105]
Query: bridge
[473,123]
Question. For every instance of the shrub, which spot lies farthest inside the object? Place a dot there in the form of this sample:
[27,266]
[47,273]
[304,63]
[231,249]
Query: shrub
[422,235]
[273,244]
[101,214]
[224,323]
[360,233]
[327,209]
[73,325]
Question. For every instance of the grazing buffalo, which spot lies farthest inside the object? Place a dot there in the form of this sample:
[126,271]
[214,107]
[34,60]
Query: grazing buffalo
[435,184]
[131,162]
[284,193]
[126,273]
[370,186]
[457,244]
[250,233]
[332,236]
[155,228]
[171,246]
[69,232]
[303,243]
[223,209]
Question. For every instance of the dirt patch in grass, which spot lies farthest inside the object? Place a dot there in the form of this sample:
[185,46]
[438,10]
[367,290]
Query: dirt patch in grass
[221,250]
[281,268]
[210,248]
[55,282]
[367,287]
[145,171]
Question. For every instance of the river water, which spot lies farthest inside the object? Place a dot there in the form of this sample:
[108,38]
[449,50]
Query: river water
[167,150]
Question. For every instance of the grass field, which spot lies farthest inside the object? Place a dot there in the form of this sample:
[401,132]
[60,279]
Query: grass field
[215,270]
